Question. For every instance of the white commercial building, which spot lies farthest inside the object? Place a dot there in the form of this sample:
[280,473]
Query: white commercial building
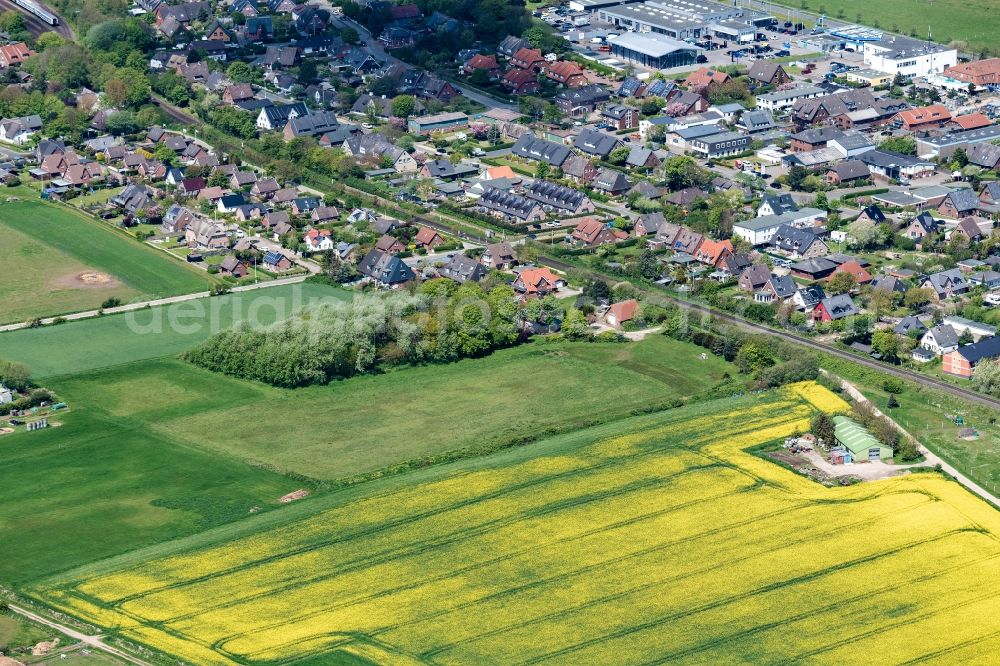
[908,57]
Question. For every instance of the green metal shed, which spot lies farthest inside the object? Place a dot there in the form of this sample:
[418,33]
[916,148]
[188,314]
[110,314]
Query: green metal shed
[861,443]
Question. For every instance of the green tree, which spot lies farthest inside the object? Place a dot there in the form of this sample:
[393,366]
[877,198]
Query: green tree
[15,375]
[575,326]
[822,426]
[619,155]
[986,378]
[753,357]
[841,283]
[648,266]
[905,145]
[885,342]
[349,35]
[403,106]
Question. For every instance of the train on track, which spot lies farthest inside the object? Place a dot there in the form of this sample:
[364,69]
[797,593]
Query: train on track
[37,10]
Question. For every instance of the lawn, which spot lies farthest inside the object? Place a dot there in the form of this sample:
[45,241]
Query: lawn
[17,634]
[357,426]
[653,539]
[975,22]
[82,346]
[40,279]
[925,414]
[97,486]
[93,248]
[157,449]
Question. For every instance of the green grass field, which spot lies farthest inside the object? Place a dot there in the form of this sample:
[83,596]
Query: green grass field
[368,423]
[655,539]
[158,448]
[51,246]
[17,633]
[91,344]
[39,279]
[975,22]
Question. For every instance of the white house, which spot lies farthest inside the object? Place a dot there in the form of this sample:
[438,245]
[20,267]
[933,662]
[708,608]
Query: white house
[895,54]
[759,230]
[780,100]
[6,395]
[940,340]
[19,130]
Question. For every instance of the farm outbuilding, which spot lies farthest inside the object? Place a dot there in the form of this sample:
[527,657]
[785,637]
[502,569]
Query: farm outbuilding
[856,439]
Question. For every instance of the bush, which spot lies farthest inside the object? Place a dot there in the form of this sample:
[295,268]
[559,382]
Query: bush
[112,302]
[893,385]
[16,376]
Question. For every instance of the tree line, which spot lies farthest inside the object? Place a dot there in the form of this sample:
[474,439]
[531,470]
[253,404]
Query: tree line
[438,323]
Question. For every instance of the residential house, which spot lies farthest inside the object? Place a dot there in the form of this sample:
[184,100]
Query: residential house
[581,101]
[861,275]
[620,117]
[14,54]
[711,252]
[277,115]
[798,243]
[276,262]
[233,267]
[958,204]
[318,240]
[591,232]
[530,59]
[836,307]
[703,77]
[754,277]
[529,146]
[767,73]
[206,234]
[427,238]
[176,219]
[376,148]
[566,73]
[499,256]
[389,244]
[968,230]
[385,269]
[482,63]
[910,325]
[622,312]
[19,130]
[940,340]
[847,173]
[324,215]
[462,269]
[594,142]
[920,226]
[611,182]
[511,45]
[946,284]
[510,207]
[559,198]
[962,361]
[923,118]
[537,282]
[521,81]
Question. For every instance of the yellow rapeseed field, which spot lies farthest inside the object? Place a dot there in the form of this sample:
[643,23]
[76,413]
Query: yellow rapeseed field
[659,538]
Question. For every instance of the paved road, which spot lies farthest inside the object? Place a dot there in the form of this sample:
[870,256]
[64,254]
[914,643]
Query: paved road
[157,302]
[95,642]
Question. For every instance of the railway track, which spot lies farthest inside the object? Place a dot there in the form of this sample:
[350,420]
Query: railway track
[927,382]
[37,26]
